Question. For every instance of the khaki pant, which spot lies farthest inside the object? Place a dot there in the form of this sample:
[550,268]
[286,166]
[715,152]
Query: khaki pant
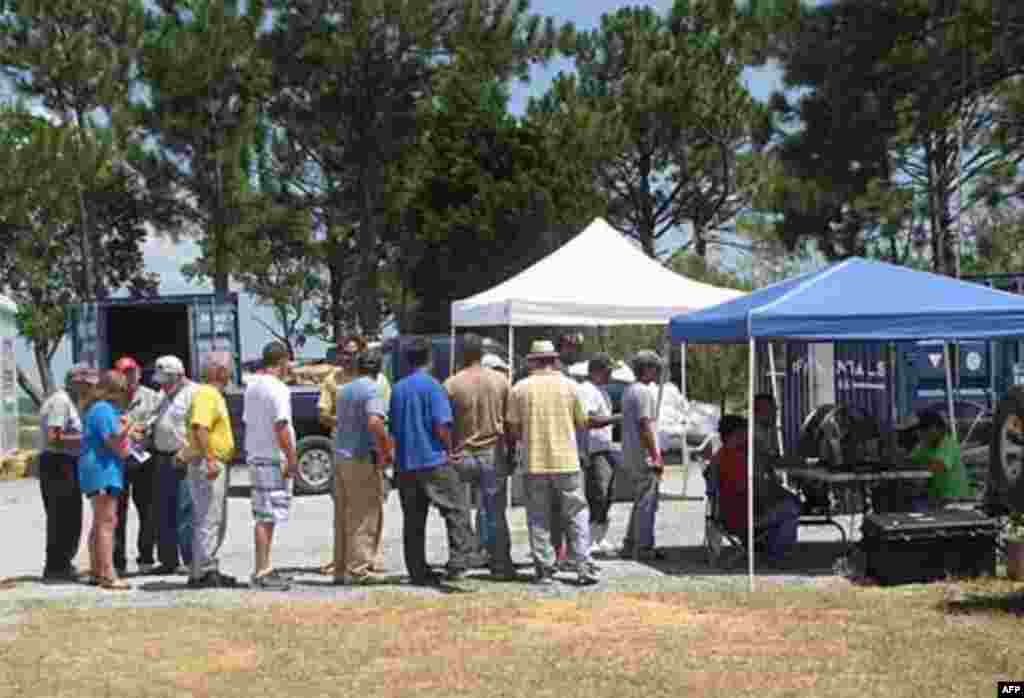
[358,516]
[210,517]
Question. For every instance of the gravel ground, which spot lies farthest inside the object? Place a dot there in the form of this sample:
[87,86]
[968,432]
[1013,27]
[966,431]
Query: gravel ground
[305,543]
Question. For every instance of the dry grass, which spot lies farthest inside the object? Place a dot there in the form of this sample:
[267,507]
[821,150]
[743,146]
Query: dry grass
[948,640]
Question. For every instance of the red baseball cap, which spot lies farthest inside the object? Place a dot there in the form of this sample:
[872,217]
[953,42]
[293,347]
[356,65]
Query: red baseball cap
[125,364]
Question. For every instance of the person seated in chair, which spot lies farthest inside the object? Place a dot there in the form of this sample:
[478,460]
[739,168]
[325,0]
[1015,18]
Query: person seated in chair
[937,449]
[776,509]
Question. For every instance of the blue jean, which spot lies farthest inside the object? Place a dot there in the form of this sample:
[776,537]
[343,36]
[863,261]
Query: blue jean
[781,520]
[642,517]
[174,513]
[486,469]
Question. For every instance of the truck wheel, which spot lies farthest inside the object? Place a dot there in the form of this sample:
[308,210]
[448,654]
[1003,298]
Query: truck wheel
[315,466]
[1006,453]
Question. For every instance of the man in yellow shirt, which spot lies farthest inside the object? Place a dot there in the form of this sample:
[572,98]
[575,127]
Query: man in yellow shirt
[544,412]
[212,445]
[348,351]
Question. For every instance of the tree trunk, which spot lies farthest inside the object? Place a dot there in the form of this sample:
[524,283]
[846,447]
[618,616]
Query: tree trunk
[34,391]
[367,307]
[334,270]
[700,243]
[221,269]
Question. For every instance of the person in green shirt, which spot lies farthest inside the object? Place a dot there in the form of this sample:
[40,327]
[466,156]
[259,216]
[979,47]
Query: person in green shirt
[939,451]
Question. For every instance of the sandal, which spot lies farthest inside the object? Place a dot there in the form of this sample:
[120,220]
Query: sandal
[113,584]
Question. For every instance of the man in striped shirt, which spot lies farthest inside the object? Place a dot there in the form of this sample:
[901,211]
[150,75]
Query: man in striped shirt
[544,412]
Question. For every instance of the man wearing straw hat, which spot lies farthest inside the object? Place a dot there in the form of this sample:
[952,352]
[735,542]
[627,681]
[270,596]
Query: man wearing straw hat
[544,412]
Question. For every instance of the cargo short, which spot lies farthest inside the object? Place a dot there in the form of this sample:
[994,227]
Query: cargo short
[271,491]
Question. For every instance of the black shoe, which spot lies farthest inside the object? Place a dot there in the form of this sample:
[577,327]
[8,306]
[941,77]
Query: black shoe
[165,570]
[505,573]
[545,580]
[213,580]
[478,560]
[430,579]
[69,574]
[454,574]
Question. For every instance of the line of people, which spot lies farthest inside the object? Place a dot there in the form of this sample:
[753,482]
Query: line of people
[169,452]
[112,440]
[476,429]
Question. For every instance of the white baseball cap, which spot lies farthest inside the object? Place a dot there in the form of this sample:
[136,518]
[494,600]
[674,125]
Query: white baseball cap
[493,361]
[168,369]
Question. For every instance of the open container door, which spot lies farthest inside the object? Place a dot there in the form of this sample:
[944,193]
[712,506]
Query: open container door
[87,342]
[213,326]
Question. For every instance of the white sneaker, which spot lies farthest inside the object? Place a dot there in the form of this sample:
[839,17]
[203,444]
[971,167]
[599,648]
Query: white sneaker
[607,548]
[597,542]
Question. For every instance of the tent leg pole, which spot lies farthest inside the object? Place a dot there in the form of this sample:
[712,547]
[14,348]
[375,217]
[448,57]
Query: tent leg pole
[686,404]
[666,347]
[451,354]
[949,389]
[752,369]
[775,397]
[511,352]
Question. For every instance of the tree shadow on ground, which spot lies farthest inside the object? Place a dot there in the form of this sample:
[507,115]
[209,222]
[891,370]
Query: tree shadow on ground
[810,559]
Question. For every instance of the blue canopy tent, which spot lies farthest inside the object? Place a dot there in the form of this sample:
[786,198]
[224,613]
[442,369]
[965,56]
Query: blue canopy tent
[856,299]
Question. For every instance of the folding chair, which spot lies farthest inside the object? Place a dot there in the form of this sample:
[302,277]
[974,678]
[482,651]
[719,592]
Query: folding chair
[723,547]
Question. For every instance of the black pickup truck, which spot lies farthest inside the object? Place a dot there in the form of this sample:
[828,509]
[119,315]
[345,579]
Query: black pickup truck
[315,450]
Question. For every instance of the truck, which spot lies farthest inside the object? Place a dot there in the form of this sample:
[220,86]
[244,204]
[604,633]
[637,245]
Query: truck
[988,380]
[190,325]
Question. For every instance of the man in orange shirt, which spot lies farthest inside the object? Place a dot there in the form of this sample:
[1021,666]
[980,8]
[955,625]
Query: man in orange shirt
[775,507]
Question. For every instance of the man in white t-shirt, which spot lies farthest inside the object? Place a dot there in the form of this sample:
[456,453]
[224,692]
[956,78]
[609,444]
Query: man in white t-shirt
[271,457]
[599,459]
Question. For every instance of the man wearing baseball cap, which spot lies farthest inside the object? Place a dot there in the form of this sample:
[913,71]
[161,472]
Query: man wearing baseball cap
[140,474]
[170,434]
[60,437]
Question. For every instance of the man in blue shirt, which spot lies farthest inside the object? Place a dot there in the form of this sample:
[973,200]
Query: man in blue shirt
[420,422]
[362,450]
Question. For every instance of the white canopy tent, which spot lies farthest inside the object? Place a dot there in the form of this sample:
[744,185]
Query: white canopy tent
[597,279]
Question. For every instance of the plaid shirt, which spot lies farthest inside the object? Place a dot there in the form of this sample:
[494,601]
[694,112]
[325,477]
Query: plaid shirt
[547,411]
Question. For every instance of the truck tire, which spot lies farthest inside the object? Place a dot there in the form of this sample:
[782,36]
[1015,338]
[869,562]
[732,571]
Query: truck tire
[315,465]
[1006,454]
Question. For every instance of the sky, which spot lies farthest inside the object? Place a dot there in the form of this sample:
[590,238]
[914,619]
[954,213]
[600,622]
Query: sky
[166,259]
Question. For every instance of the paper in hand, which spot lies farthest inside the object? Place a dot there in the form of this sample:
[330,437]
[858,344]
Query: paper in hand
[138,454]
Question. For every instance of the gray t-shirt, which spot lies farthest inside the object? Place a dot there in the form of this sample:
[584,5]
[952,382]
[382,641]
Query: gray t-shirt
[59,411]
[638,402]
[355,402]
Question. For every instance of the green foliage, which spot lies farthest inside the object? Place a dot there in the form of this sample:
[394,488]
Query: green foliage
[277,264]
[478,190]
[668,116]
[43,250]
[869,159]
[204,79]
[375,67]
